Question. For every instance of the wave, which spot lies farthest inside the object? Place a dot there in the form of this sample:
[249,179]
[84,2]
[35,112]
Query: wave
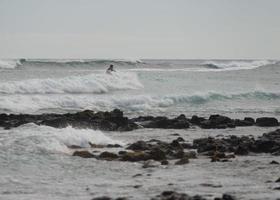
[34,138]
[237,65]
[9,64]
[93,83]
[80,61]
[129,103]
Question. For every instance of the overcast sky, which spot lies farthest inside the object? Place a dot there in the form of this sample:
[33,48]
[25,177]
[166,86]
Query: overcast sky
[140,29]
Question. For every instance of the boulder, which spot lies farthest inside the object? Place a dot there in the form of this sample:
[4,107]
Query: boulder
[83,154]
[267,121]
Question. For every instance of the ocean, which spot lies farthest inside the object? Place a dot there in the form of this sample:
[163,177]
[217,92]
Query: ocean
[36,163]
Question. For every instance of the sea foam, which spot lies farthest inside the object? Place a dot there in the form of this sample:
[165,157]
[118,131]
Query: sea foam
[93,83]
[130,103]
[9,64]
[34,138]
[236,65]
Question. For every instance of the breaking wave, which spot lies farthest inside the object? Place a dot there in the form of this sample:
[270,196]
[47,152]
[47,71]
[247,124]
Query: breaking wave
[236,65]
[9,64]
[93,83]
[128,103]
[33,138]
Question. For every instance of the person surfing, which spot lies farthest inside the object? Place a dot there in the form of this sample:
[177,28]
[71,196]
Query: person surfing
[110,69]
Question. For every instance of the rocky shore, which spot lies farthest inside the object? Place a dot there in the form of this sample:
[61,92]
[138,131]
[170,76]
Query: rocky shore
[116,121]
[172,195]
[179,152]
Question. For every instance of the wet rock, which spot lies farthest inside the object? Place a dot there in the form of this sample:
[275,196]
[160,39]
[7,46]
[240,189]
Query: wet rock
[267,143]
[197,120]
[113,146]
[210,185]
[110,121]
[182,161]
[102,198]
[267,121]
[149,164]
[164,162]
[139,146]
[135,156]
[83,154]
[108,156]
[180,122]
[226,197]
[157,154]
[217,122]
[171,195]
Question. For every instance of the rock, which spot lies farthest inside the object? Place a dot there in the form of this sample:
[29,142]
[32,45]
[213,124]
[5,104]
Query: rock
[157,154]
[135,156]
[180,122]
[83,154]
[267,121]
[149,164]
[278,180]
[217,122]
[139,146]
[113,146]
[182,161]
[164,162]
[197,120]
[108,156]
[102,198]
[171,195]
[274,162]
[227,197]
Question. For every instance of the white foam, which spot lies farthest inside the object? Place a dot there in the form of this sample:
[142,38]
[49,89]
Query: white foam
[93,83]
[34,138]
[9,64]
[236,65]
[138,103]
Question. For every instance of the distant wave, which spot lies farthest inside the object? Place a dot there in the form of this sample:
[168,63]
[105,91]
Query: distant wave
[80,61]
[130,103]
[236,65]
[9,64]
[93,83]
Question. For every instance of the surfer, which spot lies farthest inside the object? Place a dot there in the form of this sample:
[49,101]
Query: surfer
[110,69]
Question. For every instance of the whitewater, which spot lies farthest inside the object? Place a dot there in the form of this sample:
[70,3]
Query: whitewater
[36,161]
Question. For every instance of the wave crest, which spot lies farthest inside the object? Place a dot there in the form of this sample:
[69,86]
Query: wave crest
[93,83]
[236,65]
[34,138]
[9,64]
[136,103]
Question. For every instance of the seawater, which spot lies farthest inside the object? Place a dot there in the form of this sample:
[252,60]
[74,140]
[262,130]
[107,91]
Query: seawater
[35,162]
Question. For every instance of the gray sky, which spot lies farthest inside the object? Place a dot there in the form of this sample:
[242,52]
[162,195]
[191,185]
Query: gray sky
[140,29]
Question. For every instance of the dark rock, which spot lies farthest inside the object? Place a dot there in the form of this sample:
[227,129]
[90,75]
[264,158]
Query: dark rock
[83,154]
[182,161]
[108,156]
[113,146]
[122,152]
[274,162]
[267,121]
[164,162]
[135,156]
[102,198]
[157,154]
[171,195]
[227,197]
[197,120]
[139,146]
